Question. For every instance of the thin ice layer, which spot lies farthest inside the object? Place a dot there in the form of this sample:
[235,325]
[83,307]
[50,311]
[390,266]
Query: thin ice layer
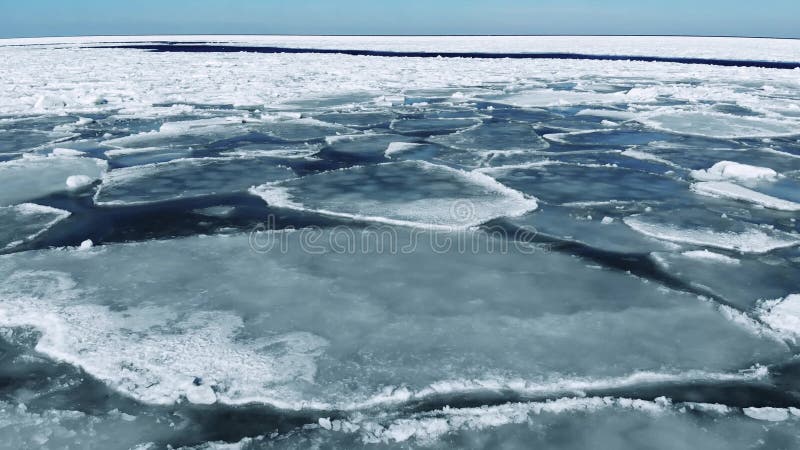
[705,228]
[37,176]
[455,322]
[24,222]
[411,193]
[185,178]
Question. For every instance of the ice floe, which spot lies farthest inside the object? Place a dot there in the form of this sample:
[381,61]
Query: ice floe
[704,228]
[21,223]
[185,178]
[240,330]
[37,176]
[725,189]
[405,193]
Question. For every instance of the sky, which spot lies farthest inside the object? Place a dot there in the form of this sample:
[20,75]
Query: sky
[29,18]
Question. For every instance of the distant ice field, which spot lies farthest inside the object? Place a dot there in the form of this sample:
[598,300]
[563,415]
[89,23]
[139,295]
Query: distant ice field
[204,249]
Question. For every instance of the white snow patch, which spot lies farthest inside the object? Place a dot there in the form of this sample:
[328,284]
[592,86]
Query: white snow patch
[733,171]
[706,255]
[76,182]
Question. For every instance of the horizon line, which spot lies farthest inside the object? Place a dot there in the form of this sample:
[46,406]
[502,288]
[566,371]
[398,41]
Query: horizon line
[406,35]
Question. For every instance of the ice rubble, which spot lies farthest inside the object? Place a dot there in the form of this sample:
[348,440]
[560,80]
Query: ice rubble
[783,315]
[21,223]
[412,193]
[240,329]
[185,178]
[37,176]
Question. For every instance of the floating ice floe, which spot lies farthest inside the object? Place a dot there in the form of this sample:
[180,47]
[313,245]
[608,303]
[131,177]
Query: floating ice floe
[707,229]
[725,189]
[37,176]
[415,193]
[571,224]
[431,126]
[21,223]
[364,146]
[239,335]
[733,171]
[491,136]
[184,178]
[714,272]
[720,126]
[562,183]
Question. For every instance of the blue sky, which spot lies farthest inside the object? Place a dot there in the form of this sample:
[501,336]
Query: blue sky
[778,18]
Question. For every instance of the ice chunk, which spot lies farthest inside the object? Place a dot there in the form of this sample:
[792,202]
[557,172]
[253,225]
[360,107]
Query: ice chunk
[767,414]
[494,136]
[550,97]
[782,315]
[562,183]
[37,176]
[300,130]
[395,148]
[25,222]
[67,152]
[765,278]
[721,126]
[431,126]
[571,224]
[726,189]
[704,228]
[183,178]
[705,255]
[77,182]
[733,171]
[186,133]
[405,193]
[367,145]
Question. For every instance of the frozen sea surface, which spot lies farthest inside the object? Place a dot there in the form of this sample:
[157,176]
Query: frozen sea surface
[202,248]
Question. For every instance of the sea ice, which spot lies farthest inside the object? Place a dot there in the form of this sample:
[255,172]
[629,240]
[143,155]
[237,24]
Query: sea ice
[37,176]
[705,228]
[412,193]
[184,178]
[732,191]
[241,330]
[21,223]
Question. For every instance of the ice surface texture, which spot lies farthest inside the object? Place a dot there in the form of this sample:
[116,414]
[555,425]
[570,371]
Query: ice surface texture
[326,250]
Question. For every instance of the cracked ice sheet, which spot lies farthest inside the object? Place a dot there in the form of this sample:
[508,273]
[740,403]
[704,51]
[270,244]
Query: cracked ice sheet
[242,332]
